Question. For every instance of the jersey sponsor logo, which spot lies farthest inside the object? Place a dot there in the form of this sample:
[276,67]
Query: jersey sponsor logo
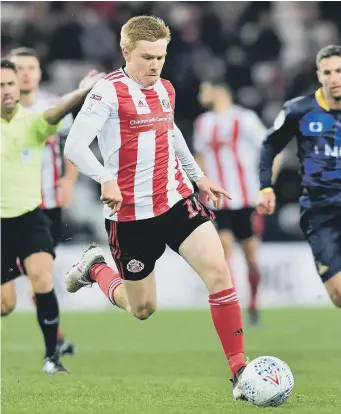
[95,97]
[328,151]
[154,121]
[135,266]
[315,124]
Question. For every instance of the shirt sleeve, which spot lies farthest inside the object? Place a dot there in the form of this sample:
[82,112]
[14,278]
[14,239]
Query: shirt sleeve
[277,137]
[256,130]
[43,128]
[198,139]
[66,125]
[100,105]
[187,160]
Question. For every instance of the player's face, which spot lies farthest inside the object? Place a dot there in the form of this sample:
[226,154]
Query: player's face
[329,75]
[29,72]
[206,95]
[146,61]
[10,92]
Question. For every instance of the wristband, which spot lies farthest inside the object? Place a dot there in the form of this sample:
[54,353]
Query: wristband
[267,190]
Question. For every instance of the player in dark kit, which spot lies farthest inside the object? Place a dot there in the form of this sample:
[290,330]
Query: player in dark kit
[315,121]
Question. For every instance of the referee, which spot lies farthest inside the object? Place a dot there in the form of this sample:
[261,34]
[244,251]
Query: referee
[25,230]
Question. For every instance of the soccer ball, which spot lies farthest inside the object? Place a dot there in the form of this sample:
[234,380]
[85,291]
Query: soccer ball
[267,381]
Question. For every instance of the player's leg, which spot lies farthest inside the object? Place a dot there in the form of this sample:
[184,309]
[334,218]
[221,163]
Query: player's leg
[8,266]
[135,249]
[65,347]
[193,236]
[250,243]
[36,253]
[8,298]
[227,240]
[323,233]
[223,223]
[333,286]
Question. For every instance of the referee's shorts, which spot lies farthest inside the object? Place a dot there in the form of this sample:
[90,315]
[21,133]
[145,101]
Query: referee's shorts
[20,238]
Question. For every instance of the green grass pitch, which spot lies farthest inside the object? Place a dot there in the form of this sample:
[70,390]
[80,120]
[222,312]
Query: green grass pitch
[170,364]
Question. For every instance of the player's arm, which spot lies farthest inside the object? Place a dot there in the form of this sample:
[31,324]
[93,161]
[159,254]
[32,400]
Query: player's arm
[187,160]
[277,137]
[71,100]
[198,143]
[98,107]
[194,172]
[256,132]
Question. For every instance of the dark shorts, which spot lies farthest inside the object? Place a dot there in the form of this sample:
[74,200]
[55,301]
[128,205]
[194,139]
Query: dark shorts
[20,237]
[239,222]
[55,216]
[322,230]
[137,245]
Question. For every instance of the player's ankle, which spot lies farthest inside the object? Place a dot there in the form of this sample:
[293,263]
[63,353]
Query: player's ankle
[95,270]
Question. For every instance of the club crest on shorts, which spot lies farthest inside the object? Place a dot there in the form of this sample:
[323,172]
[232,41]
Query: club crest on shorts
[135,266]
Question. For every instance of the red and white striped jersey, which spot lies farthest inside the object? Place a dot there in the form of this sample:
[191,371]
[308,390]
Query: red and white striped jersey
[230,144]
[137,140]
[52,157]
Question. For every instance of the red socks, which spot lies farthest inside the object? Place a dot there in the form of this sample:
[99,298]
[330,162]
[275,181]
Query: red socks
[228,322]
[107,279]
[254,279]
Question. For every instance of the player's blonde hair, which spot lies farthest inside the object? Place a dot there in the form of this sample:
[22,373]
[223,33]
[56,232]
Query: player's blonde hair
[148,28]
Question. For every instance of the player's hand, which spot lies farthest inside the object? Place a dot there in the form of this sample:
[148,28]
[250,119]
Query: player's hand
[66,190]
[212,191]
[266,202]
[111,196]
[90,80]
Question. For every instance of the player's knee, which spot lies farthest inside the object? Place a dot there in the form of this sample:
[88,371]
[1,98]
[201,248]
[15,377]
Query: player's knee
[7,307]
[144,311]
[220,277]
[41,280]
[335,296]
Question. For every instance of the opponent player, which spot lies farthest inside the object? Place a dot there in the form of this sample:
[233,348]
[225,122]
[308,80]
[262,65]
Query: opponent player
[149,200]
[25,230]
[227,141]
[56,189]
[315,120]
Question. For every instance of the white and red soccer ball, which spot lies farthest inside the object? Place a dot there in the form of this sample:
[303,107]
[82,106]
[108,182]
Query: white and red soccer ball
[267,381]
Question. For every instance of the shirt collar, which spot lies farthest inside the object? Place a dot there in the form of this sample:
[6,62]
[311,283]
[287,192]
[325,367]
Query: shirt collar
[19,112]
[124,71]
[320,100]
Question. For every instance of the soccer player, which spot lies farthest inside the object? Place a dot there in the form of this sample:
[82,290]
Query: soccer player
[25,230]
[148,198]
[227,141]
[56,189]
[315,121]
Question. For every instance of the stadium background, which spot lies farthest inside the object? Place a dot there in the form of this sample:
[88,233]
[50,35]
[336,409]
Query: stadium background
[264,50]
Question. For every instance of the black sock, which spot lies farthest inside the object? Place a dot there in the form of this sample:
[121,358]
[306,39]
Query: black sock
[48,318]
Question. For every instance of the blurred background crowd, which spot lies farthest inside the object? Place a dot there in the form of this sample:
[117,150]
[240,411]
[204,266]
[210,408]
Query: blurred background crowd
[265,51]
